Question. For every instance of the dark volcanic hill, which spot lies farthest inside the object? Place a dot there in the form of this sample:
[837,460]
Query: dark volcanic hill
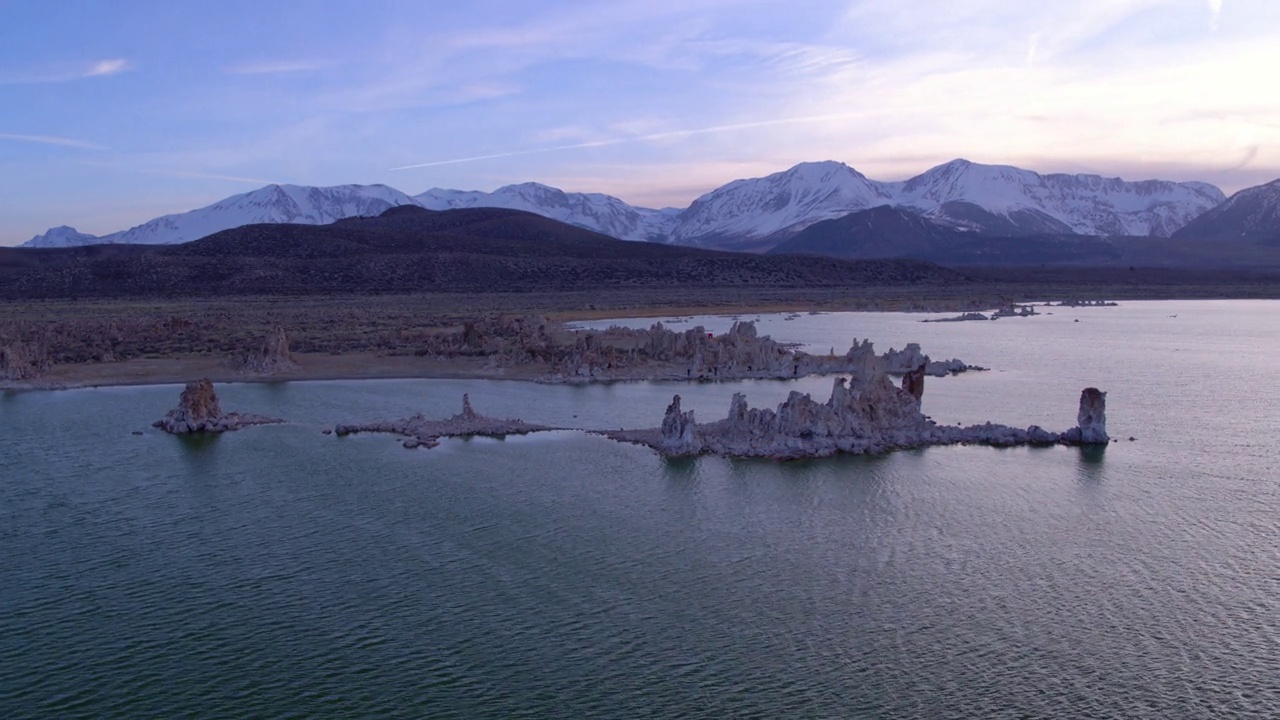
[880,232]
[409,249]
[1251,215]
[889,232]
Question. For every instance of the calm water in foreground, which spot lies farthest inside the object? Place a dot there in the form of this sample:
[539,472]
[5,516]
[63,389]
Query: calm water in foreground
[279,572]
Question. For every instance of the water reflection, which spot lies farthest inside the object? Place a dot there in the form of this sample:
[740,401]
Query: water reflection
[1090,465]
[199,450]
[682,470]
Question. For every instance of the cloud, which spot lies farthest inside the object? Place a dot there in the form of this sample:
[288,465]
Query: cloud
[1215,13]
[179,173]
[67,73]
[652,137]
[280,67]
[208,176]
[1076,86]
[1250,154]
[52,140]
[103,68]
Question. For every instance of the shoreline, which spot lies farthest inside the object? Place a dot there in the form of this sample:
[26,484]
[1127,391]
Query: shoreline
[362,364]
[391,364]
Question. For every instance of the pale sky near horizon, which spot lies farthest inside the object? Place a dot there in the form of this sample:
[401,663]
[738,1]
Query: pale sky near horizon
[112,113]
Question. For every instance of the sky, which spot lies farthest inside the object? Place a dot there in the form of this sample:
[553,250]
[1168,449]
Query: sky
[112,113]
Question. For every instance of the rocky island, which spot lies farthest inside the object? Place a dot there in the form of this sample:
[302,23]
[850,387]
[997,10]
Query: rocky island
[423,432]
[866,414]
[199,411]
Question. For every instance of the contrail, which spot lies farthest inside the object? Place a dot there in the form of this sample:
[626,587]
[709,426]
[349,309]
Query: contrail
[210,176]
[167,172]
[623,141]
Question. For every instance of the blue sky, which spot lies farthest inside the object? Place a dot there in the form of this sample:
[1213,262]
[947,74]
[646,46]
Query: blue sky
[112,113]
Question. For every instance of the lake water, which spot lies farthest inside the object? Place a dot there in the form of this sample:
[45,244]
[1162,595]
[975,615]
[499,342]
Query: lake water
[279,572]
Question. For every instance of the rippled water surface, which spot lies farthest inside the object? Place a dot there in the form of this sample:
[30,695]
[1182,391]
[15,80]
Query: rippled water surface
[279,572]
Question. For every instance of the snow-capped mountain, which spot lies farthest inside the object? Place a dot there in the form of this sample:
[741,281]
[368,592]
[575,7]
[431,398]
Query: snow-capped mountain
[62,236]
[1251,214]
[270,204]
[996,199]
[744,214]
[594,211]
[967,194]
[781,203]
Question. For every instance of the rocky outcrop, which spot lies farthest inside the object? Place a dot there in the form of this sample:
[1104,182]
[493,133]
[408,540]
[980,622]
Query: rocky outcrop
[913,382]
[23,361]
[1077,302]
[271,357]
[910,358]
[420,431]
[1091,420]
[199,411]
[1014,310]
[678,430]
[663,354]
[966,317]
[861,417]
[550,352]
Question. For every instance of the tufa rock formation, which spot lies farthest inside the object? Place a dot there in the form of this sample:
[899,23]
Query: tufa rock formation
[656,353]
[198,411]
[908,359]
[678,430]
[421,432]
[913,381]
[270,358]
[21,362]
[662,354]
[1091,420]
[864,416]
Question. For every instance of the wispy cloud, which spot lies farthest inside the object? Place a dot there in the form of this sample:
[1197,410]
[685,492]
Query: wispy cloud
[280,67]
[67,73]
[209,176]
[103,68]
[1215,13]
[52,140]
[669,135]
[178,172]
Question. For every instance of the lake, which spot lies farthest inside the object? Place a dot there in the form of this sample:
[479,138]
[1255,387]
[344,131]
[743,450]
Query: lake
[280,572]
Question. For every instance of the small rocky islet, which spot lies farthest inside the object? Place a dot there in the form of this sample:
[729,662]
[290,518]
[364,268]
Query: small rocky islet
[199,411]
[421,431]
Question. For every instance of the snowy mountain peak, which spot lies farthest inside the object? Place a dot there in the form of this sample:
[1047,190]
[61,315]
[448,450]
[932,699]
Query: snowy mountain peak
[968,194]
[269,204]
[61,236]
[787,201]
[595,211]
[962,180]
[1251,214]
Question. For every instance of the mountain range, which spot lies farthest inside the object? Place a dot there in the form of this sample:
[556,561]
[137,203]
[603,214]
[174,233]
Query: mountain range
[270,204]
[415,250]
[753,214]
[1253,214]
